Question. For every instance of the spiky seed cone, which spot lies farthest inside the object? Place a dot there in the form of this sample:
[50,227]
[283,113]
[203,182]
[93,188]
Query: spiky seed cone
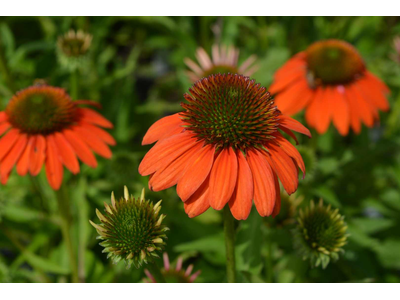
[320,234]
[132,229]
[72,49]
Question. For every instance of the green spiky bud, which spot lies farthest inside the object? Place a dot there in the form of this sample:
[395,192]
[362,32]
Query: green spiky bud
[320,234]
[72,49]
[132,229]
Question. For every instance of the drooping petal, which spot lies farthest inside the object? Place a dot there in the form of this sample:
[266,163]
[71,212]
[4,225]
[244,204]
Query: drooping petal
[341,113]
[277,207]
[91,116]
[291,151]
[364,110]
[161,128]
[80,148]
[325,113]
[4,127]
[284,167]
[165,151]
[355,118]
[198,203]
[102,134]
[196,173]
[294,125]
[8,141]
[54,169]
[170,174]
[289,79]
[223,178]
[3,116]
[13,155]
[24,160]
[374,90]
[242,197]
[94,143]
[38,155]
[67,153]
[263,181]
[292,95]
[294,63]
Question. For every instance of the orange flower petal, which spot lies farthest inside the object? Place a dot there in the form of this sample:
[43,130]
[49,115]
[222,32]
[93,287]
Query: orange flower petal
[4,127]
[94,143]
[169,175]
[326,109]
[374,90]
[290,78]
[81,149]
[340,113]
[103,135]
[54,169]
[277,206]
[7,141]
[198,203]
[284,167]
[291,151]
[38,155]
[161,128]
[242,197]
[91,116]
[67,153]
[313,108]
[23,162]
[294,125]
[196,173]
[223,178]
[13,155]
[365,111]
[295,62]
[165,151]
[3,116]
[263,181]
[292,95]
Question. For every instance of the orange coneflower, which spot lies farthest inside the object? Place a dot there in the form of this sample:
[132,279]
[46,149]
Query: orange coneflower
[224,60]
[330,79]
[42,125]
[225,148]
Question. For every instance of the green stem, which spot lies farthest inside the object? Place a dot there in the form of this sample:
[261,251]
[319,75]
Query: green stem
[74,81]
[64,209]
[156,272]
[229,230]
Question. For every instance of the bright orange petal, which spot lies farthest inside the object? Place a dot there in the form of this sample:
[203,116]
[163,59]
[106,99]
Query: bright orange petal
[91,116]
[161,128]
[80,148]
[94,143]
[374,90]
[7,141]
[263,181]
[103,135]
[23,162]
[198,203]
[196,173]
[326,109]
[13,155]
[38,155]
[54,169]
[284,167]
[4,127]
[292,95]
[166,151]
[313,109]
[365,111]
[169,175]
[297,61]
[3,116]
[289,79]
[341,113]
[66,153]
[223,178]
[294,125]
[242,198]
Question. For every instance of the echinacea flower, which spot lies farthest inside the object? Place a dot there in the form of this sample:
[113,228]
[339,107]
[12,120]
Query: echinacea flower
[331,81]
[131,229]
[225,148]
[41,125]
[224,60]
[174,275]
[72,48]
[320,234]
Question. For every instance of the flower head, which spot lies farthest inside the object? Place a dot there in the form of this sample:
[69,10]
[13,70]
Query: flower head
[320,234]
[224,60]
[72,48]
[42,125]
[132,229]
[174,275]
[331,81]
[225,148]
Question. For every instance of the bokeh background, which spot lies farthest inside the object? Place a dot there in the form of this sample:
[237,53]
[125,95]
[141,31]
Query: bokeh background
[135,69]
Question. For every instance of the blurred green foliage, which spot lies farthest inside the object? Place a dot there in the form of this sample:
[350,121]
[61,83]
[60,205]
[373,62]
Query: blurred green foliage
[136,71]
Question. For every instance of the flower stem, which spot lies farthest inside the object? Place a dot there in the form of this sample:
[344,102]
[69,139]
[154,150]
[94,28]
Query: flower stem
[229,230]
[156,272]
[64,208]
